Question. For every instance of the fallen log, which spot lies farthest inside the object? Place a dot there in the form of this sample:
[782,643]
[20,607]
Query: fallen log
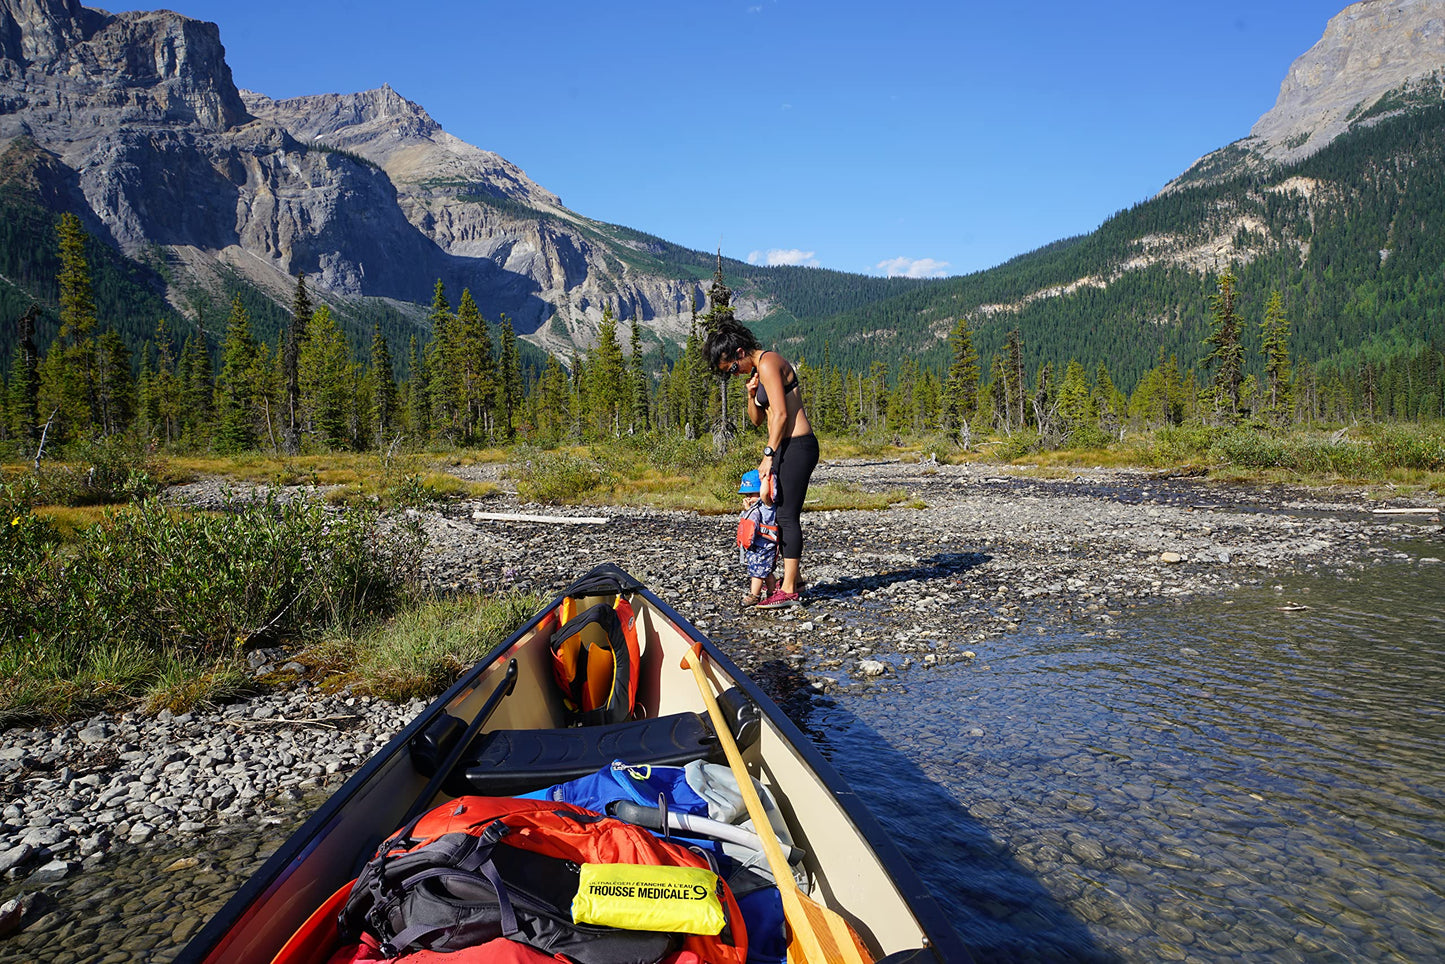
[576,520]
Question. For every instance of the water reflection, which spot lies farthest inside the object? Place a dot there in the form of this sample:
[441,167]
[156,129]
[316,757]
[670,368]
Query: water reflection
[1257,776]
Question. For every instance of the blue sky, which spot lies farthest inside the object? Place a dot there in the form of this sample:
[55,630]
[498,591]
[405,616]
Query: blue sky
[928,137]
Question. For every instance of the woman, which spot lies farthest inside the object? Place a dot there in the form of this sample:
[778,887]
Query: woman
[791,451]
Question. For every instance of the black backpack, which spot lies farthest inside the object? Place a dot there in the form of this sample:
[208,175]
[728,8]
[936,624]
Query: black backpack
[463,889]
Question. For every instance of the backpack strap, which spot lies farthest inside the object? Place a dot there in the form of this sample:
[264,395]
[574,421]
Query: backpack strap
[475,864]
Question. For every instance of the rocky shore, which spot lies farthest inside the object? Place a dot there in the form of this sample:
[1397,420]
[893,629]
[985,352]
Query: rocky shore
[976,555]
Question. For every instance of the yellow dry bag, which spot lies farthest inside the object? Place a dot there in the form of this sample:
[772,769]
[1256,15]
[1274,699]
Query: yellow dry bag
[647,897]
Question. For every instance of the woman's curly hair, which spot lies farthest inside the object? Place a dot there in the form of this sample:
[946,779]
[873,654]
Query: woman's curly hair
[724,340]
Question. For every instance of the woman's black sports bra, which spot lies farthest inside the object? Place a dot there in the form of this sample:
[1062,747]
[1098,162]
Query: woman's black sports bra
[790,382]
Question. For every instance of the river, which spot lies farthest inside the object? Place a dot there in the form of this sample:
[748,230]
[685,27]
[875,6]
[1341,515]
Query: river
[1253,776]
[1251,772]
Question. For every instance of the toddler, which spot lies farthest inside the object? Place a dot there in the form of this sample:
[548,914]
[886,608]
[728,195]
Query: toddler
[757,537]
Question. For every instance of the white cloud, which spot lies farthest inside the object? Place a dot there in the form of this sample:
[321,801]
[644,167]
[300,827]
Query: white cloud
[913,268]
[779,256]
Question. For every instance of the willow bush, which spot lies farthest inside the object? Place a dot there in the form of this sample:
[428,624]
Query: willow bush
[152,592]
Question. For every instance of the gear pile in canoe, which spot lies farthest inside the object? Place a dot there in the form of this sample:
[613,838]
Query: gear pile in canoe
[605,787]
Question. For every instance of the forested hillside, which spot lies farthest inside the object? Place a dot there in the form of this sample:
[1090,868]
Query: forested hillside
[1350,237]
[1347,238]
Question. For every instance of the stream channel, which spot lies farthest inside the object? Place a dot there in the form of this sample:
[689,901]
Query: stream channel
[1258,776]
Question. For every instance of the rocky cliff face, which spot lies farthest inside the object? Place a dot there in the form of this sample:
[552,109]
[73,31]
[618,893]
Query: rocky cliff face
[155,145]
[1369,50]
[1375,57]
[478,207]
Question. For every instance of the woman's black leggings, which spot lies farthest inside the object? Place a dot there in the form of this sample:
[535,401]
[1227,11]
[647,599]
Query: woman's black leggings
[794,465]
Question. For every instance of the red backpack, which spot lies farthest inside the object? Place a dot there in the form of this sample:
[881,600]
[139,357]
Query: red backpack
[478,868]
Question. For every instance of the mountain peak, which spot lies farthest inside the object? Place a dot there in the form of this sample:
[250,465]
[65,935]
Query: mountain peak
[1368,50]
[1375,58]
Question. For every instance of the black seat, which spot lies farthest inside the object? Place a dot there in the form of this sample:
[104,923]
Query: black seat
[507,762]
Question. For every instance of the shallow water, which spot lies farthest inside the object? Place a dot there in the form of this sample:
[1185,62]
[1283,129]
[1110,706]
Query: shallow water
[1220,779]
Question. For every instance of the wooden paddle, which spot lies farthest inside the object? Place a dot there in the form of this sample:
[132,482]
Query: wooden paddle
[819,935]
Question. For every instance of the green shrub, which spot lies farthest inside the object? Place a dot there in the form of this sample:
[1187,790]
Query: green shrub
[104,472]
[421,651]
[152,588]
[1184,443]
[555,477]
[1088,437]
[1018,445]
[1407,447]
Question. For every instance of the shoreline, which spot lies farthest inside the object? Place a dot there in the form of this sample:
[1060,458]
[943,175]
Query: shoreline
[891,593]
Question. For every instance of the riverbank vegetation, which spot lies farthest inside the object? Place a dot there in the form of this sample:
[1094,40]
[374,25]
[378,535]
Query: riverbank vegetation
[108,595]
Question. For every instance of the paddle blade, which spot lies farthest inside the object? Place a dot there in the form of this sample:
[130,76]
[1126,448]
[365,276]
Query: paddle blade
[835,939]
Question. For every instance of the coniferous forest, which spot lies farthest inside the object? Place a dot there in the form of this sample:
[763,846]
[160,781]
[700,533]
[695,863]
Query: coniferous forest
[1331,308]
[307,388]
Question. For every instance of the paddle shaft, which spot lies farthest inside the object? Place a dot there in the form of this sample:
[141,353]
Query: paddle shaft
[835,945]
[444,771]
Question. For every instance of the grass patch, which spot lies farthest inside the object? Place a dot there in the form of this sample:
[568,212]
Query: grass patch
[420,652]
[832,496]
[151,595]
[680,475]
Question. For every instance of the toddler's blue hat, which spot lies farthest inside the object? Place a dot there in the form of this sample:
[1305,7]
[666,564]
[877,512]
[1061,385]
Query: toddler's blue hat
[751,482]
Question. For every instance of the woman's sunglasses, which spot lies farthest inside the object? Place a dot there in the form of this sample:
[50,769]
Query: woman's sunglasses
[730,371]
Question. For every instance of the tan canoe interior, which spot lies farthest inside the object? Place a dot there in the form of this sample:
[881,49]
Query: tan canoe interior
[845,874]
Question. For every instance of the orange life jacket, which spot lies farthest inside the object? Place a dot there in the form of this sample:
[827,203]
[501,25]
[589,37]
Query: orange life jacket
[596,660]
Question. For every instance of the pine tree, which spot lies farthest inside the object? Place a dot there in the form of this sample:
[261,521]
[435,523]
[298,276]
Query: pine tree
[1017,380]
[1274,345]
[290,357]
[444,363]
[553,409]
[999,394]
[696,388]
[383,389]
[67,375]
[1176,394]
[478,368]
[637,375]
[1226,354]
[577,388]
[328,381]
[607,378]
[1045,403]
[197,388]
[960,391]
[1109,403]
[509,380]
[720,311]
[115,388]
[235,388]
[163,402]
[418,393]
[23,410]
[902,411]
[1076,404]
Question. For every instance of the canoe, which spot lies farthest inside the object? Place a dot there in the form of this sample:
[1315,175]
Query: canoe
[514,705]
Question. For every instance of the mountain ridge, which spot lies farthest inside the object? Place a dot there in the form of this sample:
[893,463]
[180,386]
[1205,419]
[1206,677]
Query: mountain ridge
[375,201]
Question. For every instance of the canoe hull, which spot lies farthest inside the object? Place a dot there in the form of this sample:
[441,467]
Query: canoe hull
[854,867]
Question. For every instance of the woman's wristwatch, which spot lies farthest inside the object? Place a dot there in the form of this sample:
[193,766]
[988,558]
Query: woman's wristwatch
[769,451]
